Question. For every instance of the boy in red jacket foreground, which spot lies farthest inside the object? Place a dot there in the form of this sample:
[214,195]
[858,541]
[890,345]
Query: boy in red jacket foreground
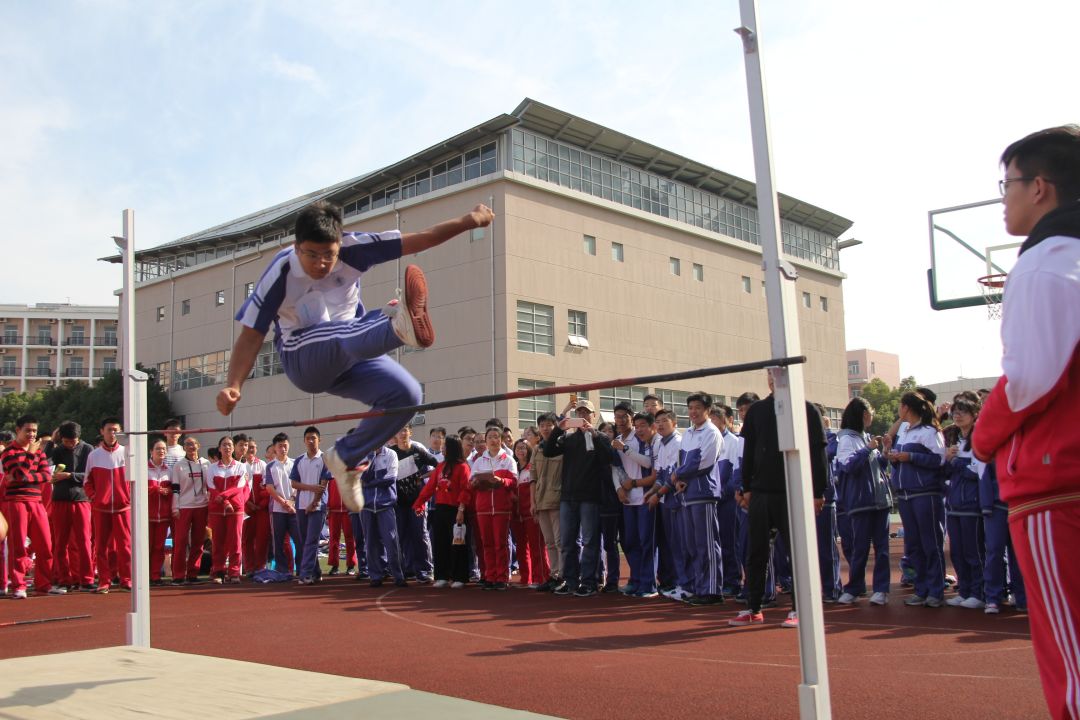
[1027,424]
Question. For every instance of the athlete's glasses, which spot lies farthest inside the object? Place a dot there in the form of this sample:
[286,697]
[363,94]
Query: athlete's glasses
[1003,185]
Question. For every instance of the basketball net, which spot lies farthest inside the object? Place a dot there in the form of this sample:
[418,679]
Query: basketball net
[993,291]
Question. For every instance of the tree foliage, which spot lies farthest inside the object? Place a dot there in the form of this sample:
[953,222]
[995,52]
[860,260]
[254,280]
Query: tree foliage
[84,404]
[885,401]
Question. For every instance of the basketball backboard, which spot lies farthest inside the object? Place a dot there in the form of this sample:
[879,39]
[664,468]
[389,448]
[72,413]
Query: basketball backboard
[967,242]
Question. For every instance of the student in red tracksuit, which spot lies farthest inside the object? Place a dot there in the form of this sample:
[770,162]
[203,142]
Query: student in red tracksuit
[159,509]
[256,533]
[190,479]
[110,502]
[449,483]
[228,492]
[533,566]
[494,478]
[26,473]
[337,518]
[1028,422]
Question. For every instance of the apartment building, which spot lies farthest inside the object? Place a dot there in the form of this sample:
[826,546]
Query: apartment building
[49,343]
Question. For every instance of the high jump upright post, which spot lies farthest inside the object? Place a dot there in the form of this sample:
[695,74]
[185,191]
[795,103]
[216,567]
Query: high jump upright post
[789,391]
[138,620]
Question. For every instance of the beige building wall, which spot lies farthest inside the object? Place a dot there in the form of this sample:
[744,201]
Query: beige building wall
[642,320]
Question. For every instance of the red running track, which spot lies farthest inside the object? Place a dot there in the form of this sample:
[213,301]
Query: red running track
[598,657]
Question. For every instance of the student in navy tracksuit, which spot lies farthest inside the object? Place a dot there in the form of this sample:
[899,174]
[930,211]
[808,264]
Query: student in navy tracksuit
[663,499]
[998,541]
[378,518]
[862,488]
[963,512]
[310,477]
[828,554]
[918,481]
[698,479]
[639,520]
[727,507]
[611,508]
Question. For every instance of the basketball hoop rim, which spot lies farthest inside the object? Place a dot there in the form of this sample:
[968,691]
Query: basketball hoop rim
[995,281]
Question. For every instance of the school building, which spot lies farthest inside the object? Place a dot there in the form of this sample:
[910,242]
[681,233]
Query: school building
[609,257]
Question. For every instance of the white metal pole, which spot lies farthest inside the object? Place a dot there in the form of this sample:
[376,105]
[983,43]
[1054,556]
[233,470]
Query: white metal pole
[138,620]
[788,389]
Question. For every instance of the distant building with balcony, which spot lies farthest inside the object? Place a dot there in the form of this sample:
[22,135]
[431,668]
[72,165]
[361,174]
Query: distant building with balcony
[50,343]
[866,365]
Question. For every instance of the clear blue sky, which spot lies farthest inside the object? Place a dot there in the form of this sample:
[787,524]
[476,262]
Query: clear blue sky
[197,112]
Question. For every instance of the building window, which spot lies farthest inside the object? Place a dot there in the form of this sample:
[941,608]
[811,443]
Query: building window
[699,272]
[267,362]
[201,370]
[110,335]
[577,323]
[675,401]
[78,335]
[535,328]
[529,409]
[572,167]
[163,377]
[477,234]
[160,313]
[617,252]
[589,243]
[108,364]
[853,367]
[824,303]
[746,284]
[633,394]
[873,367]
[249,288]
[675,266]
[185,307]
[219,298]
[806,299]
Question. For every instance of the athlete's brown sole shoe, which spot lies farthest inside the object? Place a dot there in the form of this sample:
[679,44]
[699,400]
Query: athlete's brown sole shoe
[415,302]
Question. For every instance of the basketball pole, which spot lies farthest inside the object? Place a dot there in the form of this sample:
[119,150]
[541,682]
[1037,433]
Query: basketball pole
[135,381]
[789,392]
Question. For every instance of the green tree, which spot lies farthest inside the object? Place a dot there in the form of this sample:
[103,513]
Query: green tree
[84,404]
[885,401]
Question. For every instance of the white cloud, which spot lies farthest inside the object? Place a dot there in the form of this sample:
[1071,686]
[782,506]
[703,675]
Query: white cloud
[299,72]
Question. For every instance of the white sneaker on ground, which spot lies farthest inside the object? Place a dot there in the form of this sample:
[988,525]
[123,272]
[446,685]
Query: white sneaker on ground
[792,620]
[915,600]
[57,590]
[991,608]
[457,585]
[846,599]
[933,602]
[409,318]
[348,480]
[18,595]
[440,583]
[973,603]
[955,601]
[879,598]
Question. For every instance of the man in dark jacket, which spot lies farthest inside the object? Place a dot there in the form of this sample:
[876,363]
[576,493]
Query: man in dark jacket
[70,511]
[586,455]
[765,495]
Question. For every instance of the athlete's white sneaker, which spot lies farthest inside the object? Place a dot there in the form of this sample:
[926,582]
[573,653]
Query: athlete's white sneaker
[348,480]
[846,599]
[409,318]
[973,603]
[879,598]
[955,601]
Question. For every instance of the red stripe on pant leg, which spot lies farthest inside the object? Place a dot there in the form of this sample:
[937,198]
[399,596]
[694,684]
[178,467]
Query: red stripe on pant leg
[1064,588]
[1029,542]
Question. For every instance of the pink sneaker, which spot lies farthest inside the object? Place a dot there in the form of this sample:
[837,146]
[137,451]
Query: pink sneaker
[792,620]
[745,617]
